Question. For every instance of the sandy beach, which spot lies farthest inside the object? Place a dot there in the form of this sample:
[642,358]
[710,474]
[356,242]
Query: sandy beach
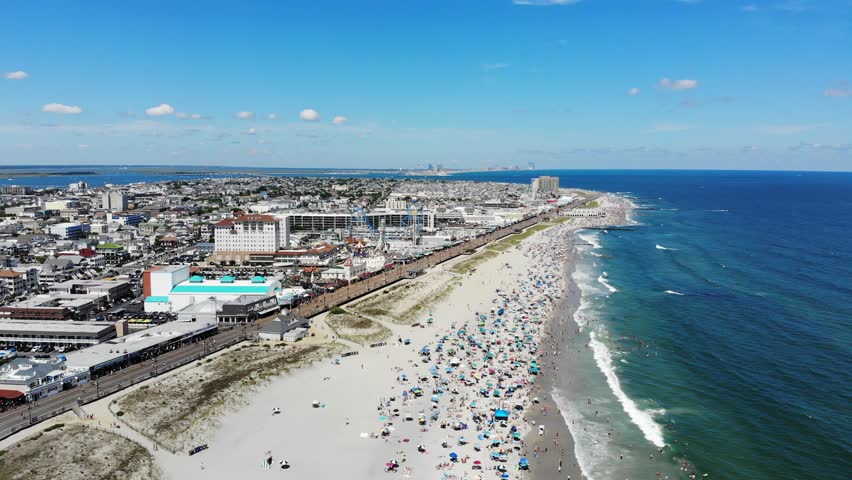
[460,388]
[368,420]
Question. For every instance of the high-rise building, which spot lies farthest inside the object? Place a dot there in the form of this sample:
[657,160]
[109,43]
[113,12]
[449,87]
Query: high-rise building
[114,201]
[66,230]
[16,190]
[251,233]
[545,186]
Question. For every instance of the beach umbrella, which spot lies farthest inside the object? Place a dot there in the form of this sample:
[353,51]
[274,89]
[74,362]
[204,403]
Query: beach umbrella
[454,456]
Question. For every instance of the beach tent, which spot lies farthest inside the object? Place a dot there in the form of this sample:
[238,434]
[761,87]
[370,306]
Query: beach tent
[501,414]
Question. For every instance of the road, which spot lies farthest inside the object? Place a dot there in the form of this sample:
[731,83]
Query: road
[19,418]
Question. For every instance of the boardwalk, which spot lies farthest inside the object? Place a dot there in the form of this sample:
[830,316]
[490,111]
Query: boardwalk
[22,417]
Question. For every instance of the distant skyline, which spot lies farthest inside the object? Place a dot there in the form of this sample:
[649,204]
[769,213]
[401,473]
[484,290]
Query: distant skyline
[657,84]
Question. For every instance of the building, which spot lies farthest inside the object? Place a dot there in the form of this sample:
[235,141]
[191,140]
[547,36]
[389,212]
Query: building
[246,308]
[67,231]
[319,222]
[40,378]
[131,219]
[124,351]
[112,290]
[204,312]
[113,253]
[28,333]
[159,281]
[545,186]
[78,186]
[16,190]
[15,283]
[58,269]
[53,307]
[322,255]
[251,233]
[286,326]
[171,289]
[114,201]
[345,272]
[396,203]
[62,204]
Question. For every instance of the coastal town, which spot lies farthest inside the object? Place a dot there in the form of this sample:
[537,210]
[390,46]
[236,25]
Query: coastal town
[115,290]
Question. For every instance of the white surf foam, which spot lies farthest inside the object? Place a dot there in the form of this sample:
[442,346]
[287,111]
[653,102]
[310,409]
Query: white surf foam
[718,210]
[660,247]
[586,458]
[642,419]
[602,280]
[591,240]
[672,292]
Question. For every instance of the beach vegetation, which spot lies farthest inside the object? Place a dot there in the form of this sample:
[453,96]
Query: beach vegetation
[78,453]
[357,328]
[471,263]
[181,410]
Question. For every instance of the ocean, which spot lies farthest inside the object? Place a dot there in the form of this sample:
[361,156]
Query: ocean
[717,329]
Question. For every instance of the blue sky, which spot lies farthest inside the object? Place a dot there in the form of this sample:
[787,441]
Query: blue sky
[403,83]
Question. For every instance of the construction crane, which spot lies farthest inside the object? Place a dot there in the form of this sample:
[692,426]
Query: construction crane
[361,220]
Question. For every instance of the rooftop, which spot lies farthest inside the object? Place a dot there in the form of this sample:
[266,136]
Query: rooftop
[52,327]
[116,348]
[22,371]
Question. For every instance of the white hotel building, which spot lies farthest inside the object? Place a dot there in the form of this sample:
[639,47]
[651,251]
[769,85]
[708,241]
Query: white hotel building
[251,233]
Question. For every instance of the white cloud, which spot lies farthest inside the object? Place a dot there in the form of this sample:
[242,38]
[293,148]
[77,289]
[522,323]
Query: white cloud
[160,110]
[19,75]
[841,90]
[837,92]
[633,92]
[794,6]
[188,116]
[309,115]
[82,146]
[60,108]
[244,115]
[272,116]
[493,67]
[790,129]
[544,3]
[251,131]
[668,127]
[685,84]
[339,120]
